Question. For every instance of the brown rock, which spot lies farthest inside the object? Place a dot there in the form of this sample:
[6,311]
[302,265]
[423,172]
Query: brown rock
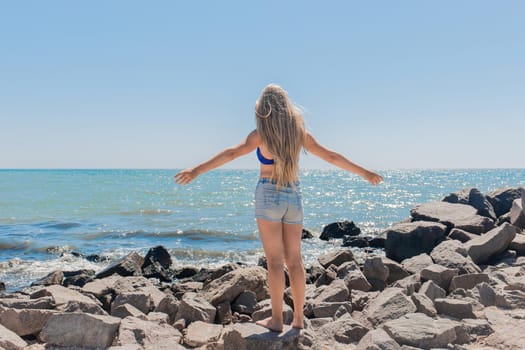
[10,341]
[24,322]
[135,331]
[200,333]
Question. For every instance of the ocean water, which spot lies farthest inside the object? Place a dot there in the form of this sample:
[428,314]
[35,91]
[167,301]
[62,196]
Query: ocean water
[46,215]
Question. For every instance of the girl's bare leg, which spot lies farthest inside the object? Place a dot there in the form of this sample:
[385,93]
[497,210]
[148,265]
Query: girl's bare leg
[294,263]
[272,239]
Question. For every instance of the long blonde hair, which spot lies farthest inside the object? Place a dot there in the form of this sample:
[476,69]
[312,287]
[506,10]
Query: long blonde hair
[281,126]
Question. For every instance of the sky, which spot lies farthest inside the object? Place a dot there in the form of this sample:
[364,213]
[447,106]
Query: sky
[168,84]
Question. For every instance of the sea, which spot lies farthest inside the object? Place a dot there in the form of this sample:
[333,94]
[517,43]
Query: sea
[53,219]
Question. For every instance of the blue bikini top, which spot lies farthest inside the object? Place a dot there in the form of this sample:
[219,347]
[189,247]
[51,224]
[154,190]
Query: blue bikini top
[263,160]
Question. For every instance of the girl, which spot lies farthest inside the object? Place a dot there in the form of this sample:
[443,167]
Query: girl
[278,139]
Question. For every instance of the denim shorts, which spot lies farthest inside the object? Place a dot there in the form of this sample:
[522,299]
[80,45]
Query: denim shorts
[278,203]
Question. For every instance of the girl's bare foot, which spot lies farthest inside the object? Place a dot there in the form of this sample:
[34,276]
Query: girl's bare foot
[298,323]
[271,324]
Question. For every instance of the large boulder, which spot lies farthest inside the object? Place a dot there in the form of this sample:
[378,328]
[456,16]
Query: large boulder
[192,307]
[80,330]
[459,197]
[421,331]
[489,245]
[453,216]
[440,275]
[501,199]
[19,303]
[339,230]
[481,203]
[468,281]
[25,322]
[250,336]
[518,244]
[10,341]
[200,333]
[229,286]
[455,308]
[337,257]
[147,334]
[417,263]
[388,305]
[453,254]
[377,339]
[62,295]
[130,265]
[376,272]
[405,240]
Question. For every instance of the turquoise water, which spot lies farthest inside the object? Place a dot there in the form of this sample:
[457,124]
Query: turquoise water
[47,214]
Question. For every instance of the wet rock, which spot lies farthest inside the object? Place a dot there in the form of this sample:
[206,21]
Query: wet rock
[232,284]
[455,308]
[377,339]
[130,265]
[160,255]
[155,270]
[406,240]
[485,247]
[305,234]
[250,336]
[439,275]
[80,330]
[501,199]
[468,281]
[453,216]
[185,272]
[54,277]
[10,341]
[336,258]
[24,322]
[357,242]
[417,263]
[388,305]
[339,230]
[78,278]
[192,307]
[421,331]
[135,331]
[200,333]
[377,242]
[432,290]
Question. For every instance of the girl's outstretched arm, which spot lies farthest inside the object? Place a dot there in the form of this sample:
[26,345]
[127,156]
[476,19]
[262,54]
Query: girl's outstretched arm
[337,159]
[227,155]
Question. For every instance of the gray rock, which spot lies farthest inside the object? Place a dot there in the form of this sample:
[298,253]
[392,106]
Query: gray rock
[406,240]
[170,306]
[123,311]
[388,305]
[335,292]
[40,303]
[511,299]
[10,341]
[421,331]
[517,215]
[336,258]
[485,247]
[454,308]
[474,328]
[424,304]
[377,339]
[355,280]
[193,307]
[468,281]
[395,270]
[249,336]
[141,301]
[339,230]
[481,203]
[453,254]
[410,284]
[130,265]
[453,216]
[62,295]
[432,290]
[263,309]
[518,244]
[148,334]
[461,196]
[245,303]
[360,299]
[461,235]
[345,330]
[326,309]
[501,199]
[439,275]
[232,284]
[417,263]
[224,313]
[374,268]
[78,306]
[24,322]
[201,333]
[80,330]
[485,294]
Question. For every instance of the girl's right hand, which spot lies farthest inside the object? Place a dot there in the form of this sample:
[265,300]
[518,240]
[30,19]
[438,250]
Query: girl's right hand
[372,177]
[185,176]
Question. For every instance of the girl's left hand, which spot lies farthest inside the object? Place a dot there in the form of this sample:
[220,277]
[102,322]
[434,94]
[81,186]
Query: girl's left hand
[186,176]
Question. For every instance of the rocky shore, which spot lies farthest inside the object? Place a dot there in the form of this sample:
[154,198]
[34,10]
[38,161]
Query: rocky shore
[452,276]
